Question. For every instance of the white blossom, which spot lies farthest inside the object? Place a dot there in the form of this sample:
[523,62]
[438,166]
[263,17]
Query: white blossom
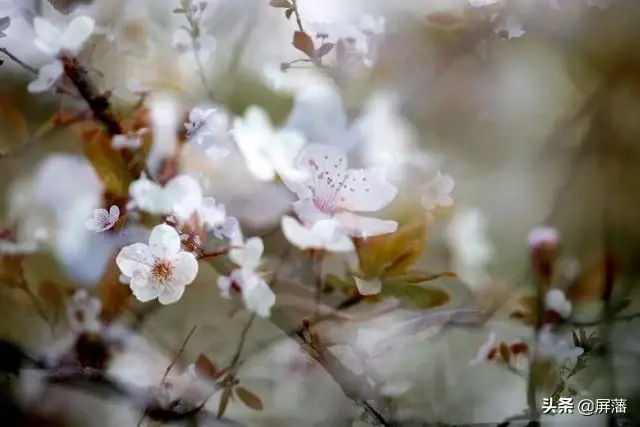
[83,312]
[437,192]
[160,269]
[556,300]
[483,3]
[206,129]
[256,293]
[181,196]
[333,191]
[471,248]
[540,236]
[53,41]
[322,235]
[103,220]
[555,346]
[267,151]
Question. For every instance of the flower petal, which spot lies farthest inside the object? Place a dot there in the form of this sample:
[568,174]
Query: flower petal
[171,294]
[164,241]
[297,234]
[365,190]
[114,214]
[368,287]
[185,269]
[143,288]
[78,31]
[362,226]
[134,258]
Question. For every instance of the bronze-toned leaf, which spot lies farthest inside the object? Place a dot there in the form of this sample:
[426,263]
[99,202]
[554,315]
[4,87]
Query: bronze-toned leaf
[224,401]
[115,296]
[11,116]
[51,293]
[589,286]
[416,276]
[288,13]
[248,398]
[12,272]
[505,352]
[206,367]
[303,42]
[416,296]
[324,49]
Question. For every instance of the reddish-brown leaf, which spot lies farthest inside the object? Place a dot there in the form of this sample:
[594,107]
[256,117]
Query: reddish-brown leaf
[249,398]
[114,295]
[224,401]
[591,283]
[505,352]
[206,366]
[52,293]
[303,42]
[444,19]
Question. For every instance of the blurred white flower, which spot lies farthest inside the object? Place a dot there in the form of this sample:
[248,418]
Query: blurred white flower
[206,129]
[131,141]
[485,349]
[510,28]
[471,248]
[48,76]
[53,41]
[213,216]
[539,236]
[181,196]
[318,113]
[202,46]
[83,312]
[437,192]
[164,112]
[323,235]
[267,151]
[482,3]
[371,286]
[556,300]
[9,246]
[557,347]
[160,269]
[256,293]
[102,219]
[334,191]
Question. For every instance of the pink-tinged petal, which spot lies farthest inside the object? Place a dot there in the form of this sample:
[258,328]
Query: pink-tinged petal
[368,287]
[297,234]
[365,190]
[164,241]
[170,294]
[114,214]
[362,226]
[307,211]
[143,288]
[185,269]
[134,258]
[327,169]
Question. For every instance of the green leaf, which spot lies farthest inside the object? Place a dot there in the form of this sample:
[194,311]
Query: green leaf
[417,276]
[179,10]
[417,296]
[288,13]
[280,3]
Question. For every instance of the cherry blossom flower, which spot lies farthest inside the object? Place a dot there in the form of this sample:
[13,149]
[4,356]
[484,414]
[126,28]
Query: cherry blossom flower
[131,141]
[322,235]
[181,196]
[334,191]
[53,41]
[437,192]
[83,312]
[555,346]
[160,269]
[103,220]
[471,248]
[543,236]
[256,293]
[267,151]
[206,128]
[556,301]
[485,349]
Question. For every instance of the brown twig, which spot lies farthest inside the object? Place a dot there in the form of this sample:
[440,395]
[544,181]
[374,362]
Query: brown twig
[179,353]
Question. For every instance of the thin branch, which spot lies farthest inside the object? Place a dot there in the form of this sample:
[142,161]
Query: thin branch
[179,353]
[243,338]
[294,7]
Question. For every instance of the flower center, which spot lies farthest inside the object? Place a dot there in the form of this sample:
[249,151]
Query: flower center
[162,270]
